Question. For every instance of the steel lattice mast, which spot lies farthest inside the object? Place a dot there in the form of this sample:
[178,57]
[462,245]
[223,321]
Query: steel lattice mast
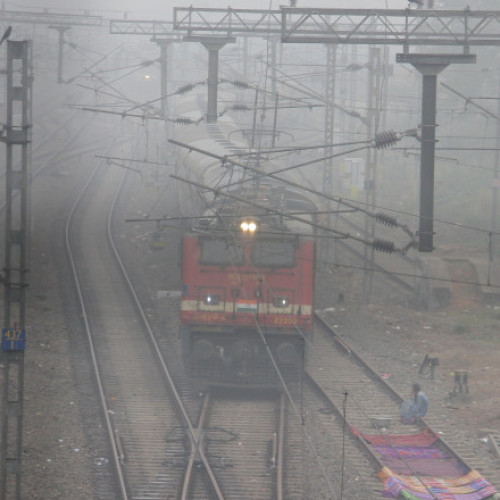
[17,137]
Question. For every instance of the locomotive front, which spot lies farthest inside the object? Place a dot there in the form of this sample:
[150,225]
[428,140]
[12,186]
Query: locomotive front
[248,281]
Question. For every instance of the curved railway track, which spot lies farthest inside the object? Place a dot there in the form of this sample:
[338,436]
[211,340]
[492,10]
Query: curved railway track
[137,408]
[346,386]
[222,445]
[240,447]
[235,449]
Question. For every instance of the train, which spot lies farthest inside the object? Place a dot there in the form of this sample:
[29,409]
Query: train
[248,258]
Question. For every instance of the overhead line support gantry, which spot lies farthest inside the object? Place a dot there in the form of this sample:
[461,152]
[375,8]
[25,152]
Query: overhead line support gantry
[407,28]
[60,22]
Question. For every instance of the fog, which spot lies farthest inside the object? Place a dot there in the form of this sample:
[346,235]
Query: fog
[463,173]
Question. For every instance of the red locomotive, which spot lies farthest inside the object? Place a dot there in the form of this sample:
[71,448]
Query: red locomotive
[248,281]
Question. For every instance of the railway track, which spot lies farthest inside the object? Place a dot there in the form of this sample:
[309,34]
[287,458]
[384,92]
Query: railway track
[349,468]
[236,447]
[152,450]
[243,439]
[347,387]
[137,408]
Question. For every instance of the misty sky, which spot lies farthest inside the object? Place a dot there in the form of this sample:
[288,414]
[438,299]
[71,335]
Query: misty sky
[162,9]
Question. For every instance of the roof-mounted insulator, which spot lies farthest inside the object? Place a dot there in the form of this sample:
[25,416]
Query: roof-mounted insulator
[386,220]
[240,107]
[383,246]
[386,139]
[185,89]
[241,85]
[184,120]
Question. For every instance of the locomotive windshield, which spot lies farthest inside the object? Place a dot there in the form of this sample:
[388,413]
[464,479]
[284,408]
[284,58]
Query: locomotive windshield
[273,254]
[221,253]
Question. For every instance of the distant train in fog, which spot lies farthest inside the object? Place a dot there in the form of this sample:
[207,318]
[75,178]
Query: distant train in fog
[247,268]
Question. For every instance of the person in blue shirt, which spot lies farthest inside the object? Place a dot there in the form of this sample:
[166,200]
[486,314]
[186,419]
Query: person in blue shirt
[412,410]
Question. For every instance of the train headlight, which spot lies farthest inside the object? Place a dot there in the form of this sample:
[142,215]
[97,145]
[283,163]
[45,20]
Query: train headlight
[248,226]
[287,353]
[211,299]
[280,301]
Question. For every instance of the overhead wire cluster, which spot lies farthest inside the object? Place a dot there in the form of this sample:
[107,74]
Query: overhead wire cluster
[382,140]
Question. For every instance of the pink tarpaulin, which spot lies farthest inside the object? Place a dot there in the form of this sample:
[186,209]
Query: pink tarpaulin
[471,486]
[415,468]
[424,438]
[425,460]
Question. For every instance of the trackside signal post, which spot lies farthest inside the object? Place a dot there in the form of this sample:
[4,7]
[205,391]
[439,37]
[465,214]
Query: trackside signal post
[17,138]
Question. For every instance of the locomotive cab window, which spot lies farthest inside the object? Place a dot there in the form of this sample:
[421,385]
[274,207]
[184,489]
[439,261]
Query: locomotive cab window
[273,254]
[221,253]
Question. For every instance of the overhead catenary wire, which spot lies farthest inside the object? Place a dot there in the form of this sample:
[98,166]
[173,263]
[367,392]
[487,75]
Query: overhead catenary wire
[469,100]
[297,411]
[86,70]
[104,93]
[292,149]
[243,85]
[311,93]
[332,264]
[119,113]
[279,375]
[302,187]
[288,394]
[377,244]
[344,201]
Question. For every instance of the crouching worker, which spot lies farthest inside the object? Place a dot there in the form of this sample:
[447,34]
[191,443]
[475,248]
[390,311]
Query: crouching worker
[412,410]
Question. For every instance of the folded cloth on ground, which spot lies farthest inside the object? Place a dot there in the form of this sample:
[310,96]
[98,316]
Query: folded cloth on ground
[470,486]
[426,460]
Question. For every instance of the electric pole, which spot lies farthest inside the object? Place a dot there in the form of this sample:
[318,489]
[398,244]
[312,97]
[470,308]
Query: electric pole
[17,137]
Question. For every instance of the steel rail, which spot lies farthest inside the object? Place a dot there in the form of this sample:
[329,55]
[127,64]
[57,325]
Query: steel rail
[115,445]
[85,317]
[381,381]
[340,414]
[195,442]
[190,465]
[280,449]
[165,371]
[197,454]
